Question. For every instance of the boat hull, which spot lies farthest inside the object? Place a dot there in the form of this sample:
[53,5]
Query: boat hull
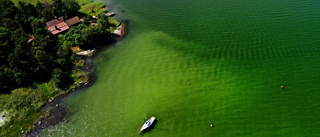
[148,123]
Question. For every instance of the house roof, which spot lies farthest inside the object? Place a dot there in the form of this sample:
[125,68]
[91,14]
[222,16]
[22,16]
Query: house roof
[72,21]
[54,22]
[30,38]
[58,28]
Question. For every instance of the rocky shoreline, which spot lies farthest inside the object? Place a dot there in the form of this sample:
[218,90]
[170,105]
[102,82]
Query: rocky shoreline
[54,112]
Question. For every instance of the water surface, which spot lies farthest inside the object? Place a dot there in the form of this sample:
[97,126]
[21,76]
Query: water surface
[235,53]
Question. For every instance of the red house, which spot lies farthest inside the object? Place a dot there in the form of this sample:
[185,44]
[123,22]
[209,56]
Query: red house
[59,25]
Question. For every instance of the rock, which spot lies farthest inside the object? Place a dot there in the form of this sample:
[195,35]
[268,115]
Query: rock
[110,14]
[85,52]
[119,30]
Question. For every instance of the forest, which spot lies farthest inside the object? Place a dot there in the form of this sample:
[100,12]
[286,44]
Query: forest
[36,65]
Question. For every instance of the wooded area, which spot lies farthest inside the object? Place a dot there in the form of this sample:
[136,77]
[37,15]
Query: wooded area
[34,64]
[24,63]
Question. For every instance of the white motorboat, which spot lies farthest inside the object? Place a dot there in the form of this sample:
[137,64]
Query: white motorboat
[148,123]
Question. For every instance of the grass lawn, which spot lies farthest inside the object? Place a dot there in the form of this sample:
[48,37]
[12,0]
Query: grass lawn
[94,8]
[33,2]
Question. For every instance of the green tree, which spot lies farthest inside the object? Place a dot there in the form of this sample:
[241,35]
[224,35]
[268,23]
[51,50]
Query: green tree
[39,9]
[103,20]
[7,9]
[7,81]
[95,37]
[70,8]
[35,24]
[9,23]
[19,37]
[20,19]
[57,8]
[43,51]
[61,79]
[5,45]
[19,63]
[47,10]
[27,9]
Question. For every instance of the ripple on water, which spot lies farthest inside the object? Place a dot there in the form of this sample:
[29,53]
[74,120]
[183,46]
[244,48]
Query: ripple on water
[236,54]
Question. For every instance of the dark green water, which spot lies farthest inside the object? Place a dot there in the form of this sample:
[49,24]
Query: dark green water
[235,53]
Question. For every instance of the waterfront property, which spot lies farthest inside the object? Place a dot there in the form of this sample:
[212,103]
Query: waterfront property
[59,25]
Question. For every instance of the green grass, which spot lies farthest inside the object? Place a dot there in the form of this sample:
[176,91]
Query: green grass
[78,74]
[22,107]
[94,8]
[87,6]
[113,22]
[83,2]
[33,2]
[15,128]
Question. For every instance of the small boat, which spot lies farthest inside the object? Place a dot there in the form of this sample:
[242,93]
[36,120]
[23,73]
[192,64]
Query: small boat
[148,123]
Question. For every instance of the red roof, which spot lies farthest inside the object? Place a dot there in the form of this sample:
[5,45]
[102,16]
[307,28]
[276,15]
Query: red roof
[72,21]
[30,38]
[54,22]
[58,28]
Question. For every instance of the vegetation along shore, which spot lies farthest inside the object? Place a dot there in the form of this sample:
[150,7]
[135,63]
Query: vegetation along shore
[46,52]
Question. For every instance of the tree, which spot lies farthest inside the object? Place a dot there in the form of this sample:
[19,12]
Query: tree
[9,23]
[103,20]
[73,36]
[35,24]
[39,9]
[57,8]
[7,81]
[47,10]
[95,36]
[61,78]
[19,64]
[27,9]
[7,9]
[70,8]
[43,51]
[5,45]
[19,37]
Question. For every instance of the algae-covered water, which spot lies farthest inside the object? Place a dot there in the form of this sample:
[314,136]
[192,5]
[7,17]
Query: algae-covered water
[236,54]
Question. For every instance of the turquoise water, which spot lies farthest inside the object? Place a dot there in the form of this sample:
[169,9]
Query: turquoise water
[236,55]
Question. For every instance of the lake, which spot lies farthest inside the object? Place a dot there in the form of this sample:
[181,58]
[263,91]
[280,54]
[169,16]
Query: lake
[236,54]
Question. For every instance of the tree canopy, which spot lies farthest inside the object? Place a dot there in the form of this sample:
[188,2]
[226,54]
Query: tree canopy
[45,57]
[35,65]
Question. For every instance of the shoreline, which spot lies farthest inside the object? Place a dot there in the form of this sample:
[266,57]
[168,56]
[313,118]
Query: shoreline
[54,112]
[28,110]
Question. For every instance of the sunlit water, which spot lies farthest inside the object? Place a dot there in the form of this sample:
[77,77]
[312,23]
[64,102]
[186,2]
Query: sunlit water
[235,53]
